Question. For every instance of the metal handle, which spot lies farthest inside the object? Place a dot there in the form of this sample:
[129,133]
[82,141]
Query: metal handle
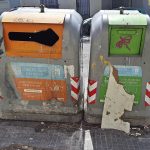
[42,8]
[121,10]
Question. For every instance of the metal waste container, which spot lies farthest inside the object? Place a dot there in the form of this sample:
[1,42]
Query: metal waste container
[40,72]
[122,38]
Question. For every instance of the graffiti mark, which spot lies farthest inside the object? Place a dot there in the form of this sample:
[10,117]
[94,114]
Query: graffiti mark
[124,41]
[102,59]
[23,20]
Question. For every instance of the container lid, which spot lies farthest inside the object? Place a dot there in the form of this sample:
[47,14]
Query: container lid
[28,17]
[127,19]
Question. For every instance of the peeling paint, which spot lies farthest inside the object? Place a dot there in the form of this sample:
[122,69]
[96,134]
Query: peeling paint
[65,71]
[116,102]
[69,70]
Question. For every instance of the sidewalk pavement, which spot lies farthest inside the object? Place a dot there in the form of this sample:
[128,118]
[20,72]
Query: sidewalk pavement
[24,135]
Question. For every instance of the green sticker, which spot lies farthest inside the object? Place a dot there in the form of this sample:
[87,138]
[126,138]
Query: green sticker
[131,79]
[126,41]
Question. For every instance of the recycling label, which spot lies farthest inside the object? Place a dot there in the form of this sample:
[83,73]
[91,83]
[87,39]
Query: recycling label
[129,76]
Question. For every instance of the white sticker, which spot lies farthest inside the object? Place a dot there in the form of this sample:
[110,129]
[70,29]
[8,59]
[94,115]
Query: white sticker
[32,91]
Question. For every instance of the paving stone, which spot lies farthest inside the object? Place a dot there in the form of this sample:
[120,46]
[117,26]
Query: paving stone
[66,137]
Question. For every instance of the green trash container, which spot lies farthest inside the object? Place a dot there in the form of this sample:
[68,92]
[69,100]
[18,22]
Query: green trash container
[122,39]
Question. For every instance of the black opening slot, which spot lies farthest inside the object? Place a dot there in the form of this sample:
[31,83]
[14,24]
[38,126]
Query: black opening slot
[46,37]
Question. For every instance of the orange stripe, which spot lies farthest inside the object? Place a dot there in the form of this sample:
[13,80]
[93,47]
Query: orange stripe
[51,89]
[32,49]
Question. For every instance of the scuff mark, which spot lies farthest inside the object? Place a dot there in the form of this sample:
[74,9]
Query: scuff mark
[1,40]
[116,102]
[1,51]
[93,66]
[1,97]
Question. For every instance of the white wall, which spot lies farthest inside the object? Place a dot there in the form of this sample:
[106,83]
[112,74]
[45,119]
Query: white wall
[67,4]
[95,6]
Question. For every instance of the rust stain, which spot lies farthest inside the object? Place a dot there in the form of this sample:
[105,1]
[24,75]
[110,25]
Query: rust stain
[94,66]
[115,74]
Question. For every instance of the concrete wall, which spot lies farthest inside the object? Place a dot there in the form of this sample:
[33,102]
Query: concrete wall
[30,2]
[146,5]
[106,4]
[95,6]
[67,4]
[4,5]
[137,3]
[50,3]
[14,3]
[83,7]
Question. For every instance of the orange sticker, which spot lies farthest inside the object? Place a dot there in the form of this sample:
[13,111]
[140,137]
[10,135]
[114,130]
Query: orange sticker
[33,40]
[41,89]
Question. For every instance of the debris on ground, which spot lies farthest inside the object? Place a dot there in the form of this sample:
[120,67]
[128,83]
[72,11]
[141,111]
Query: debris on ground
[137,131]
[18,147]
[45,126]
[22,147]
[42,127]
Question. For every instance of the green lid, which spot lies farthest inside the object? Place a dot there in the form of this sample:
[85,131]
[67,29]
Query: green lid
[132,19]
